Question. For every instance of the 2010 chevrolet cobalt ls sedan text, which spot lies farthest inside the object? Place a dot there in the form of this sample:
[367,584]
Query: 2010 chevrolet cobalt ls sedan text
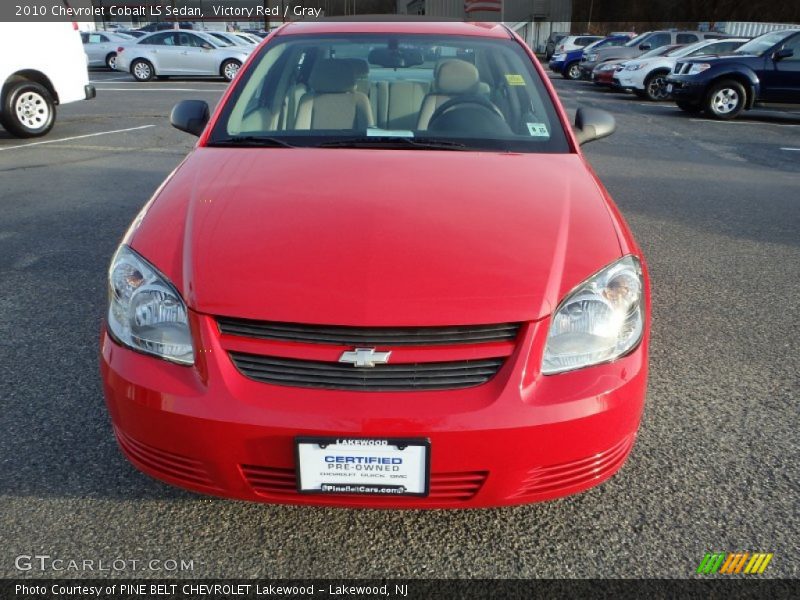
[385,277]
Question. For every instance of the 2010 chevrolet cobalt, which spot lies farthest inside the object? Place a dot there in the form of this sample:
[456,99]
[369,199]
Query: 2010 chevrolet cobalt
[385,277]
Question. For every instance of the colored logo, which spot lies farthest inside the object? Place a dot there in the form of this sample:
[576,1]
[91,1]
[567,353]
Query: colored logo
[731,563]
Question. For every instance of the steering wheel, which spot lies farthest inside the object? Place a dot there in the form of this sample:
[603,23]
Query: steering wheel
[469,113]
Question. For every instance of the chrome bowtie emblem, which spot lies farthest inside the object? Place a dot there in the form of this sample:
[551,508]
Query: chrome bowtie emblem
[365,357]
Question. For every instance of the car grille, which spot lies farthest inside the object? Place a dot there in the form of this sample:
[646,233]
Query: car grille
[368,336]
[337,376]
[444,487]
[682,68]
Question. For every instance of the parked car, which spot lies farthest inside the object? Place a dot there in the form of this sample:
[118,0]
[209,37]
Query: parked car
[576,42]
[101,47]
[603,73]
[552,40]
[643,43]
[764,70]
[163,25]
[249,37]
[230,39]
[568,64]
[647,77]
[495,329]
[187,53]
[36,76]
[133,32]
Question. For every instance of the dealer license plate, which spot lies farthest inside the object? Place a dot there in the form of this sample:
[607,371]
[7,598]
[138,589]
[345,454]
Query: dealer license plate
[386,467]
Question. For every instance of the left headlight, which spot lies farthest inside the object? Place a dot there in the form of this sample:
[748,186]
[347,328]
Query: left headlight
[698,68]
[633,67]
[145,311]
[602,319]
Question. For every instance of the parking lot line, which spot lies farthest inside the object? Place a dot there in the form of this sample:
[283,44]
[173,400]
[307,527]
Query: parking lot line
[76,137]
[745,122]
[791,149]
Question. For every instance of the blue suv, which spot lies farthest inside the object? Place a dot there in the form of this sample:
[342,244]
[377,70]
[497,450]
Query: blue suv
[764,70]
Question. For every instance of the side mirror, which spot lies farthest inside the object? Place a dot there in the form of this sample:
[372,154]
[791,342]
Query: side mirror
[207,46]
[645,46]
[781,54]
[592,124]
[190,116]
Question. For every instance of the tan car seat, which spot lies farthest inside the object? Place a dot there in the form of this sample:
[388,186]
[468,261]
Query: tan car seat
[452,78]
[333,102]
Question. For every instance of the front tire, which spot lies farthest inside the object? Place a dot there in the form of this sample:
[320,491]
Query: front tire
[573,71]
[142,70]
[28,110]
[229,69]
[655,86]
[111,61]
[725,100]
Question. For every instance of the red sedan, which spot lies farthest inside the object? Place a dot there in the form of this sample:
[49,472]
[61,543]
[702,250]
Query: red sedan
[385,277]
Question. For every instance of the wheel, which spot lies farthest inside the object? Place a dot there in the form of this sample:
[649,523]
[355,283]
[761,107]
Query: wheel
[111,61]
[28,109]
[725,99]
[689,107]
[142,70]
[655,86]
[229,69]
[573,71]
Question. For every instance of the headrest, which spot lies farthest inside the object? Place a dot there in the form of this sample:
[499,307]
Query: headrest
[360,66]
[332,76]
[456,77]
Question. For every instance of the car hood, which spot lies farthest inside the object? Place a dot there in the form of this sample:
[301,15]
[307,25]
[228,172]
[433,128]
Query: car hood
[721,58]
[377,237]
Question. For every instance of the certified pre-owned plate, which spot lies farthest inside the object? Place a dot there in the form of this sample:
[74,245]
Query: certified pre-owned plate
[391,467]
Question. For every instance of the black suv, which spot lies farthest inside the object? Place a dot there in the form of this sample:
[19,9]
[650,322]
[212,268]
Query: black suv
[765,69]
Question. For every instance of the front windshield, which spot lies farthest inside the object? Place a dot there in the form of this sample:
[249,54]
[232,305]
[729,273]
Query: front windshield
[217,39]
[761,44]
[392,90]
[686,50]
[637,40]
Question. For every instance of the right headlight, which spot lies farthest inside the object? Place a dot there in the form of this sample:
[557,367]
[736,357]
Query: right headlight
[591,57]
[145,310]
[602,319]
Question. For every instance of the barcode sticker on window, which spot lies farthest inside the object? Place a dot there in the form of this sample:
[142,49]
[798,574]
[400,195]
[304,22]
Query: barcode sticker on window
[538,130]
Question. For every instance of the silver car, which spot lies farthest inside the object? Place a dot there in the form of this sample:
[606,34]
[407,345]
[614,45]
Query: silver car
[180,52]
[101,47]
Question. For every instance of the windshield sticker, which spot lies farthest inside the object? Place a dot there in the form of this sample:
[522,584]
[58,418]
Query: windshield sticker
[538,130]
[514,79]
[375,132]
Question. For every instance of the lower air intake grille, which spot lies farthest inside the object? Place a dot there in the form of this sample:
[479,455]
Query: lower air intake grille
[336,376]
[370,336]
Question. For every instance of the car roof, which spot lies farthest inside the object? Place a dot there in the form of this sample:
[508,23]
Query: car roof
[324,26]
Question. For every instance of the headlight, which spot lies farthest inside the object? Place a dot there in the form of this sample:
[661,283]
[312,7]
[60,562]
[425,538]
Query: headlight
[599,321]
[591,57]
[698,68]
[608,67]
[633,67]
[145,311]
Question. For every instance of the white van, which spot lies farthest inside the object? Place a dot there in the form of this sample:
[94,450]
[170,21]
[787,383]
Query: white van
[41,65]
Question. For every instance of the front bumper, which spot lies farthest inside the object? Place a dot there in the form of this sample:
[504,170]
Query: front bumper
[625,81]
[686,89]
[556,66]
[521,437]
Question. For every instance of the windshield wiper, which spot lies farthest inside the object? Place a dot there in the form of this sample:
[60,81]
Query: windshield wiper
[394,142]
[252,140]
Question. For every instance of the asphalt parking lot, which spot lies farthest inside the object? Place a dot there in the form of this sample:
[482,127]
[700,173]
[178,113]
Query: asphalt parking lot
[716,208]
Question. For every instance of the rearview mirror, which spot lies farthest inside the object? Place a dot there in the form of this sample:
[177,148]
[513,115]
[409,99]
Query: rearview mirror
[645,46]
[592,124]
[784,53]
[190,116]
